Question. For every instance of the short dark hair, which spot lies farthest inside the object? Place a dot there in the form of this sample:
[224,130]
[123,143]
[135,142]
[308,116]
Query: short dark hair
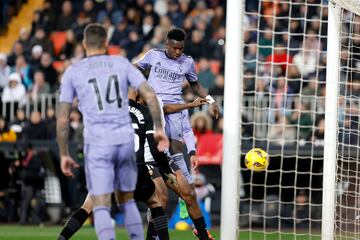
[177,34]
[95,36]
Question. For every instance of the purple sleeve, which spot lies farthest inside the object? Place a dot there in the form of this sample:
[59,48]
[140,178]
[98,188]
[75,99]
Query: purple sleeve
[145,61]
[67,90]
[188,133]
[134,76]
[191,75]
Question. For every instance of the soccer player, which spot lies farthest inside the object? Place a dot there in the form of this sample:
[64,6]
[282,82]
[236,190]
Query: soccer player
[100,83]
[168,69]
[183,189]
[145,187]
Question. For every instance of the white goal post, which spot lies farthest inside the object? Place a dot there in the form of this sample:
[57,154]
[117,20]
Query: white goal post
[331,115]
[232,114]
[292,88]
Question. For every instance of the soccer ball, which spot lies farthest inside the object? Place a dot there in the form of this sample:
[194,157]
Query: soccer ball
[257,159]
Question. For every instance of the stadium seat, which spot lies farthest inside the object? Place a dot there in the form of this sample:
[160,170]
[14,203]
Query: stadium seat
[215,66]
[210,149]
[58,65]
[114,50]
[58,40]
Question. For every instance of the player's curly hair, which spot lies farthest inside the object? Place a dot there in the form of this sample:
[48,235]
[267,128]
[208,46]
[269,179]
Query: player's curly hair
[177,34]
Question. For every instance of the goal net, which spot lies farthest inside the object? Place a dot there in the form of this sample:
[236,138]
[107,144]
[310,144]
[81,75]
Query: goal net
[283,112]
[347,180]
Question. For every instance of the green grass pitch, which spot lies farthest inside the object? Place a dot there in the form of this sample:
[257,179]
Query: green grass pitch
[11,232]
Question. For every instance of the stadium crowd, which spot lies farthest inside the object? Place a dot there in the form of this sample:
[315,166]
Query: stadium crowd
[36,63]
[284,73]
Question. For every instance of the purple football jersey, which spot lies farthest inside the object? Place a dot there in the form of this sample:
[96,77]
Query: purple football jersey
[100,83]
[166,74]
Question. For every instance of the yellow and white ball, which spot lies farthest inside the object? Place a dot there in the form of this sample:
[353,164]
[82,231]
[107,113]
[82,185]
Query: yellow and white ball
[257,159]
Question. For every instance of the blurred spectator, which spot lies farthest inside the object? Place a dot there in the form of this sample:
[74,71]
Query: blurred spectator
[40,87]
[79,53]
[76,126]
[134,45]
[4,71]
[201,123]
[218,89]
[121,33]
[298,214]
[306,61]
[159,38]
[148,28]
[109,28]
[216,48]
[78,27]
[67,50]
[133,17]
[218,19]
[15,90]
[165,23]
[301,117]
[17,50]
[250,58]
[195,46]
[32,175]
[265,43]
[36,129]
[110,11]
[41,39]
[161,7]
[25,71]
[281,132]
[36,53]
[280,57]
[49,14]
[89,11]
[50,123]
[149,10]
[205,76]
[48,70]
[283,100]
[19,123]
[24,39]
[201,11]
[65,20]
[348,130]
[177,17]
[37,22]
[6,134]
[319,131]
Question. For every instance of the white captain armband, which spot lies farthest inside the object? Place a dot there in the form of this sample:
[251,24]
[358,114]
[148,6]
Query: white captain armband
[210,99]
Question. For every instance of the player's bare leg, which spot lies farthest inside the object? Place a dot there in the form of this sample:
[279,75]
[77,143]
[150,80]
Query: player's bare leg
[186,190]
[159,218]
[77,219]
[132,216]
[102,219]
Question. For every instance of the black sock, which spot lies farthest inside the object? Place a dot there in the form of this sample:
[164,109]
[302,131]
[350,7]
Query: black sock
[73,224]
[151,233]
[200,226]
[160,222]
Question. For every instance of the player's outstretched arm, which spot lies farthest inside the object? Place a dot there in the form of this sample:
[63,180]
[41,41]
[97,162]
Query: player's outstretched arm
[172,108]
[200,91]
[148,94]
[62,132]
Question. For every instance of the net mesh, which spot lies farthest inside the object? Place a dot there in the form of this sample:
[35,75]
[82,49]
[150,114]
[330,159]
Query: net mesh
[347,214]
[283,113]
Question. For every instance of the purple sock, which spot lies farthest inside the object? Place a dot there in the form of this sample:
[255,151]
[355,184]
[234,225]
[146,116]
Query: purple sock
[103,226]
[133,221]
